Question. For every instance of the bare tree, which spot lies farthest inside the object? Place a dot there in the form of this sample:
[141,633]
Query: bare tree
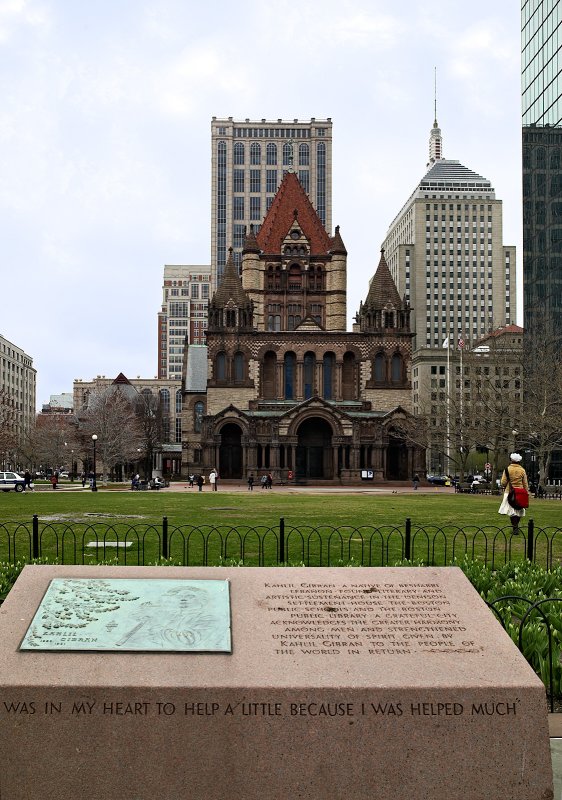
[112,417]
[540,427]
[149,417]
[53,439]
[8,427]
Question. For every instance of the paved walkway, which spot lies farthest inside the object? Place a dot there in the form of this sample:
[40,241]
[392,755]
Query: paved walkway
[236,486]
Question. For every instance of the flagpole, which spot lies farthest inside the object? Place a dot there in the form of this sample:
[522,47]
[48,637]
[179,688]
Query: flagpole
[461,347]
[448,448]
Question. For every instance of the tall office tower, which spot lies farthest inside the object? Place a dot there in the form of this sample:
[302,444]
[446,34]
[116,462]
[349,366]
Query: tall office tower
[17,398]
[445,253]
[249,160]
[542,177]
[185,297]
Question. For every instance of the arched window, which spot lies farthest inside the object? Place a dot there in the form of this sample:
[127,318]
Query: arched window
[178,401]
[268,375]
[309,368]
[295,278]
[290,361]
[348,377]
[287,155]
[238,367]
[231,318]
[198,416]
[255,153]
[220,366]
[165,400]
[271,153]
[304,155]
[328,376]
[238,153]
[178,430]
[380,368]
[396,366]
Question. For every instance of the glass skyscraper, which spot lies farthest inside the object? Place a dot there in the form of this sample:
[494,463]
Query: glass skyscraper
[541,26]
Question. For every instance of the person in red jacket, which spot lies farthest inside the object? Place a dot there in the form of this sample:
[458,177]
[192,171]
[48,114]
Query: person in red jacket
[513,476]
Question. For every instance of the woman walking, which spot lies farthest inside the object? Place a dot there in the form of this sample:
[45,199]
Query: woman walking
[514,477]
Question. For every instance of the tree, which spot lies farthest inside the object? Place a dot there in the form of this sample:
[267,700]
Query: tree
[540,427]
[8,427]
[54,438]
[113,418]
[149,417]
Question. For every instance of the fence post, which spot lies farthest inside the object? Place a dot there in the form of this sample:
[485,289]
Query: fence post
[165,551]
[408,539]
[35,540]
[282,540]
[531,540]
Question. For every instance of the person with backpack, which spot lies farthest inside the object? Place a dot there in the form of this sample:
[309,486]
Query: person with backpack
[514,477]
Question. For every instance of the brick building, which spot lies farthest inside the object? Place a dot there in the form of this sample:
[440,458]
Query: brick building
[281,386]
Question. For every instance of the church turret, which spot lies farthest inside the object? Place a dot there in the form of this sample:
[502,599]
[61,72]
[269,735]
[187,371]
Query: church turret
[230,307]
[383,308]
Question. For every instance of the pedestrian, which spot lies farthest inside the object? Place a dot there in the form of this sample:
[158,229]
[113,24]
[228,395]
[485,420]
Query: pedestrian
[263,481]
[269,480]
[200,482]
[213,480]
[416,480]
[54,479]
[27,480]
[135,483]
[514,477]
[191,481]
[83,478]
[251,482]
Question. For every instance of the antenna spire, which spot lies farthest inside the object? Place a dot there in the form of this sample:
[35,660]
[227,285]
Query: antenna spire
[435,95]
[435,138]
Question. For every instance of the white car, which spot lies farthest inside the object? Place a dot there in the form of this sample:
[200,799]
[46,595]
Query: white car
[11,480]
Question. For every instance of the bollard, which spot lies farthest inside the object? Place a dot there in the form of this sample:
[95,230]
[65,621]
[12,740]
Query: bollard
[282,540]
[408,539]
[165,550]
[35,540]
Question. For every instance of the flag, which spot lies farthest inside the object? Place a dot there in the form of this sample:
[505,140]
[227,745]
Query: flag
[461,341]
[445,342]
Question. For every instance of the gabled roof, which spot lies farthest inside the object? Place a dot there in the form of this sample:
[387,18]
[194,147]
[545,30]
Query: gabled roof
[309,324]
[291,198]
[121,379]
[383,289]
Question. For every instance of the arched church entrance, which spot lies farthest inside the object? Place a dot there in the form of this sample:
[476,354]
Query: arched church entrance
[314,450]
[230,452]
[396,460]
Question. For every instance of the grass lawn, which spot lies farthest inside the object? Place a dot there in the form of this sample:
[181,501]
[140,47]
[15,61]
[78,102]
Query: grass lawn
[319,528]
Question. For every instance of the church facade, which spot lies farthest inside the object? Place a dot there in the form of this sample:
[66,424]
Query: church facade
[281,387]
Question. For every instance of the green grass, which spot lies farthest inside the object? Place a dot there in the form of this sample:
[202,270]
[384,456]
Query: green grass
[69,518]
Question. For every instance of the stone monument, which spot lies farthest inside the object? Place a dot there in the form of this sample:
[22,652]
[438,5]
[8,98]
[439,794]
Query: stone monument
[271,683]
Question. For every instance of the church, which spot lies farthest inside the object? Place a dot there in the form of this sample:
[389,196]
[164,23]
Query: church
[280,386]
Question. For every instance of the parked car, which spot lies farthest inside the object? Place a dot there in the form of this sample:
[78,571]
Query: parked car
[63,474]
[11,480]
[439,480]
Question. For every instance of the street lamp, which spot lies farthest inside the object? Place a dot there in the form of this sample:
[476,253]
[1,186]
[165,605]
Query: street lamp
[94,485]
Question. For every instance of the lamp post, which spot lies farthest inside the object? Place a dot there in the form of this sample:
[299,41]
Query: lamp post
[94,484]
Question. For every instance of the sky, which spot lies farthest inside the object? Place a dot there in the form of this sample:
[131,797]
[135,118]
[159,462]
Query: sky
[105,134]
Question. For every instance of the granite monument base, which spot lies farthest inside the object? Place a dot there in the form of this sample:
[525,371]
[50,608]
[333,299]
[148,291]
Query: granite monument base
[372,684]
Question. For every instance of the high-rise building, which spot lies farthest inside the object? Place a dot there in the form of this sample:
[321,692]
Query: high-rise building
[445,253]
[249,160]
[17,398]
[183,316]
[542,176]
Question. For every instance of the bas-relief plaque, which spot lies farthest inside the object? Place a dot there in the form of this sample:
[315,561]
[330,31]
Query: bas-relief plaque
[132,615]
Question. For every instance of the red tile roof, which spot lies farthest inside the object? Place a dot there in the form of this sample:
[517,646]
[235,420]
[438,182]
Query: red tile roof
[291,198]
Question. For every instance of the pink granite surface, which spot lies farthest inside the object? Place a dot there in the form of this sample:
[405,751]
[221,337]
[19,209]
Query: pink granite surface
[385,684]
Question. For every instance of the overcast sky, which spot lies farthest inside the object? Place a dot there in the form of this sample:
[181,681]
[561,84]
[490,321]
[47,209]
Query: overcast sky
[105,143]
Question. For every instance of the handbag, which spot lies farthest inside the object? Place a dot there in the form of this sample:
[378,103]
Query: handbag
[518,496]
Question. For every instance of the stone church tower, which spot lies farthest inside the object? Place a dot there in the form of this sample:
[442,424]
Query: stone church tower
[287,390]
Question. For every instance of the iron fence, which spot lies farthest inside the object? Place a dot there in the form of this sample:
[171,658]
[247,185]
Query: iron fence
[82,542]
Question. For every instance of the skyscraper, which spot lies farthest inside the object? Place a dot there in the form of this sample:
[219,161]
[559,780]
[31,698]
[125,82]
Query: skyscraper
[445,253]
[183,315]
[249,160]
[542,177]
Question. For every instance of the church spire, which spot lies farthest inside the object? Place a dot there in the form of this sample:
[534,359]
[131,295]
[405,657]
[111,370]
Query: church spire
[435,138]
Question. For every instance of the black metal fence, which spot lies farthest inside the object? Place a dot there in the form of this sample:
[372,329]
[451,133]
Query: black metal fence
[82,542]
